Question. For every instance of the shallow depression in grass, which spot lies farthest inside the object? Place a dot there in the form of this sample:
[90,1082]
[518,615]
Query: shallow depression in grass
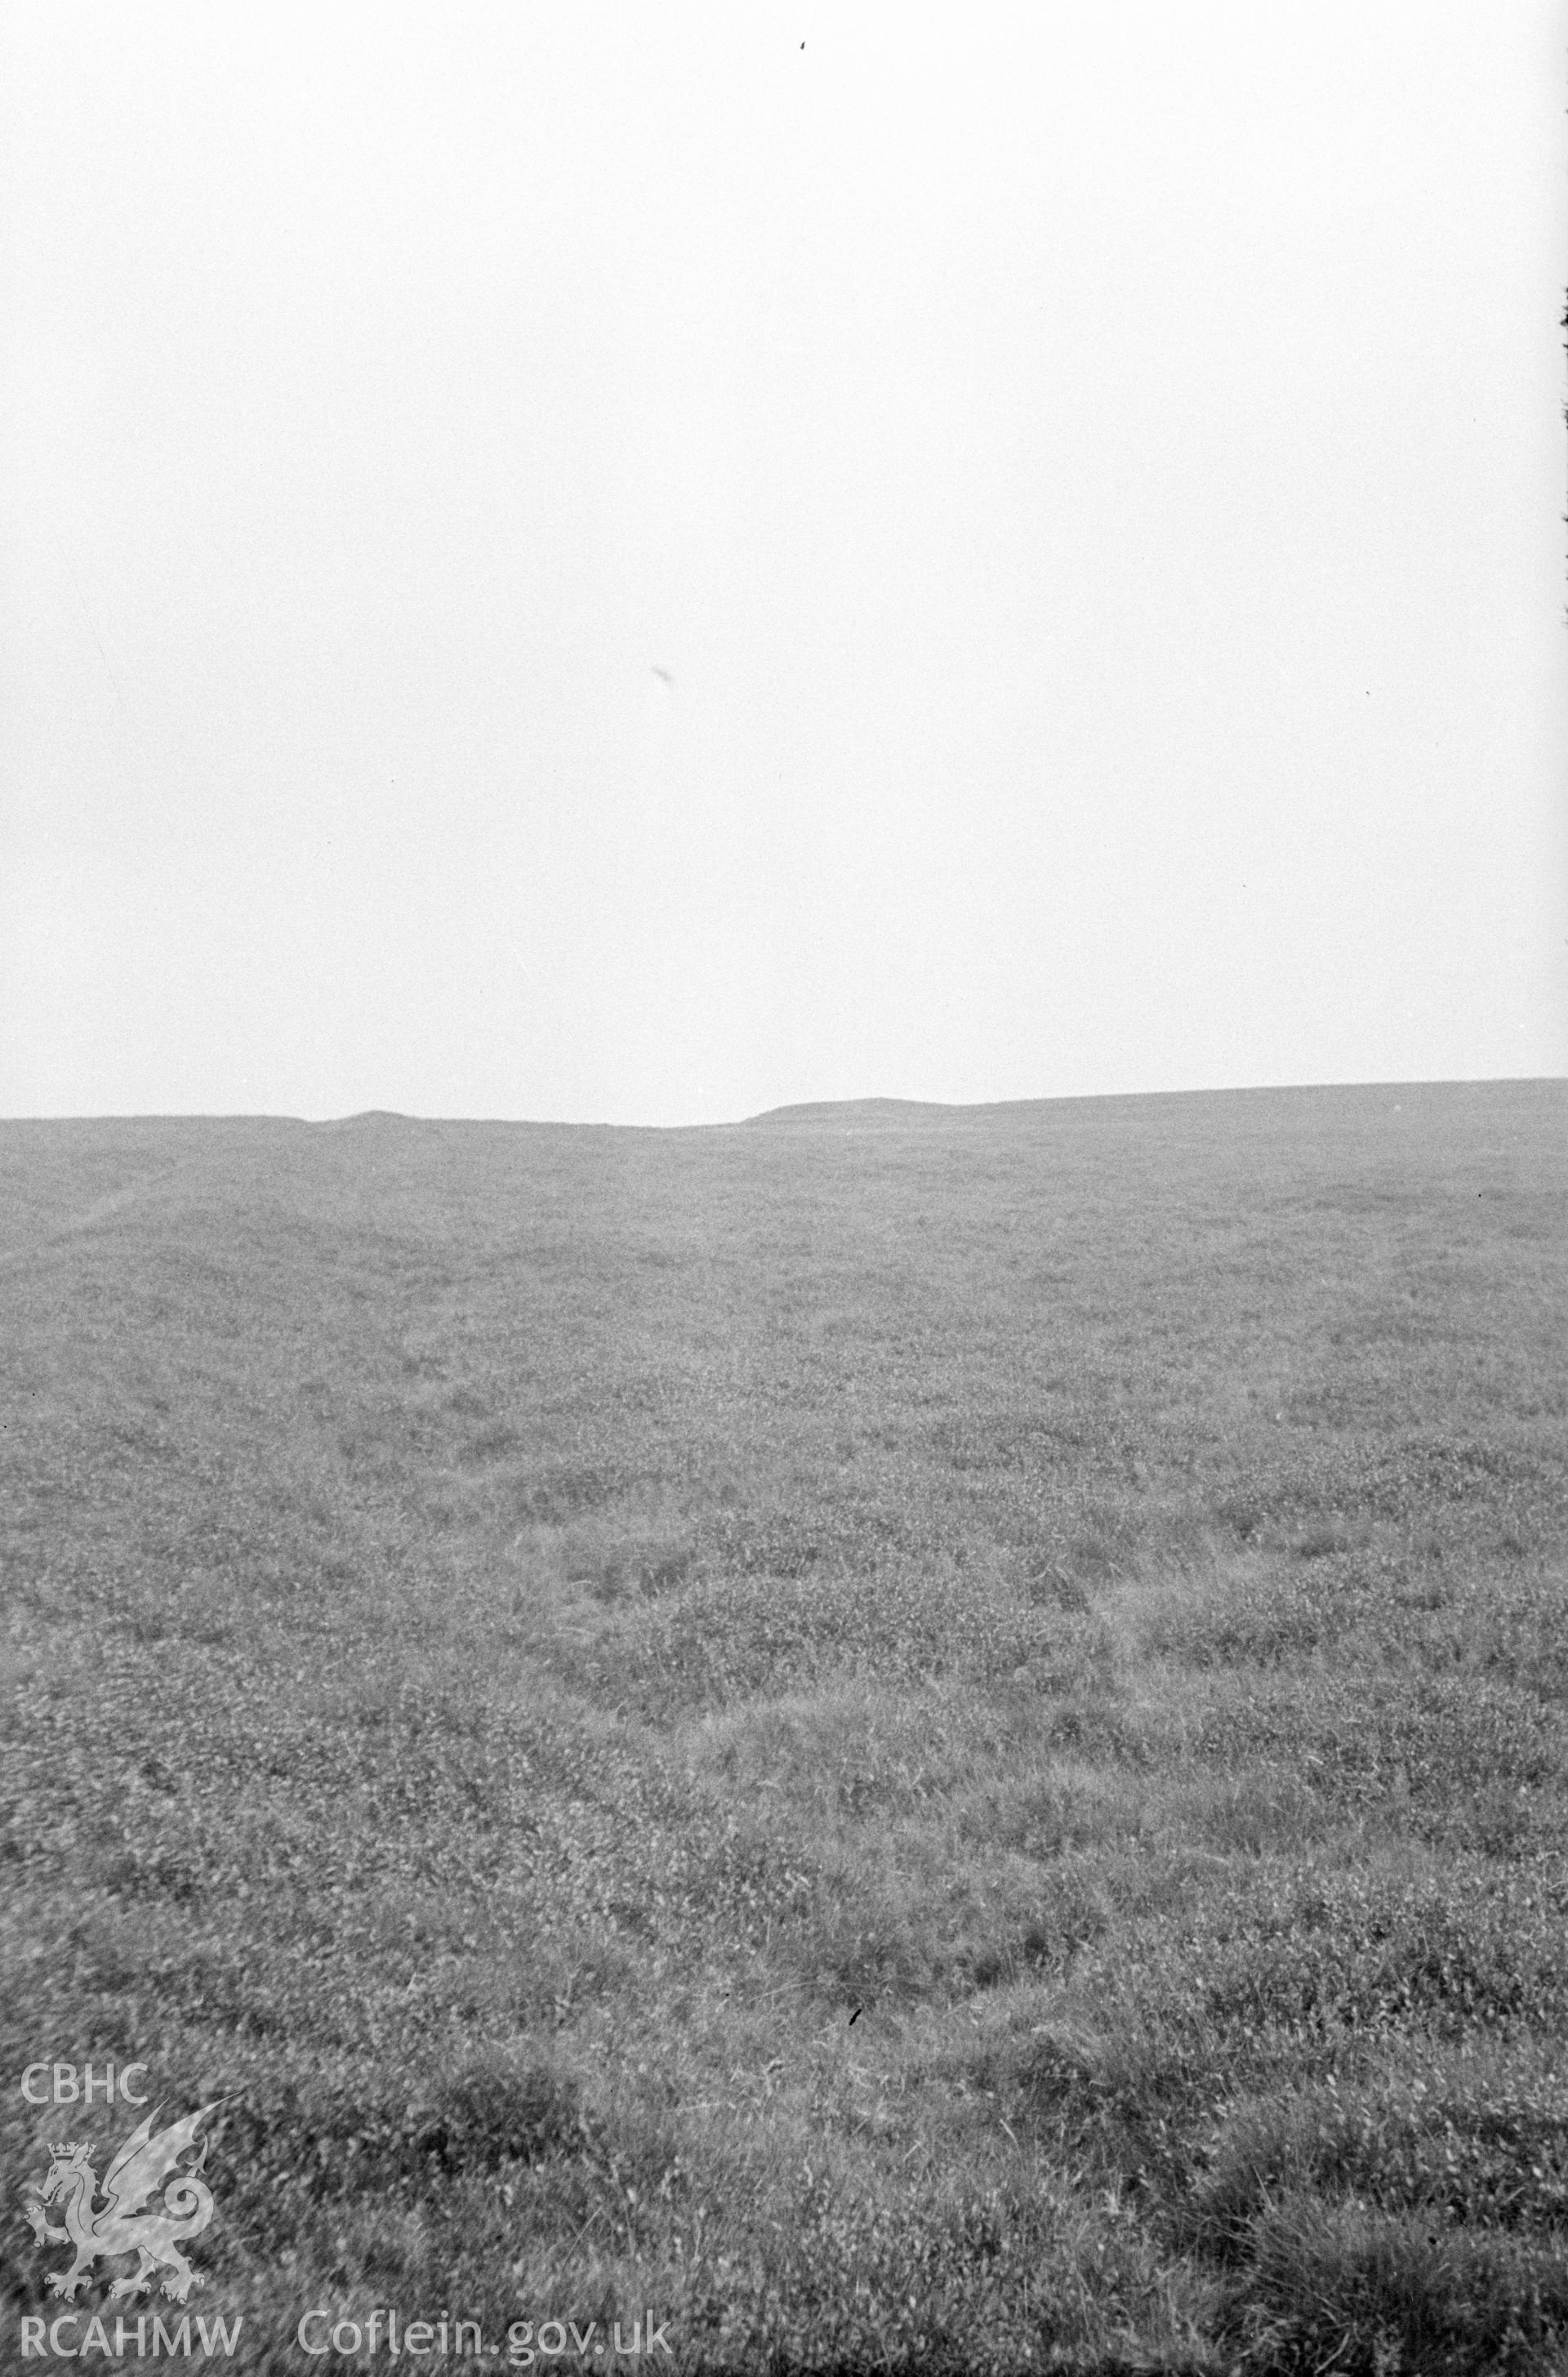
[925,1748]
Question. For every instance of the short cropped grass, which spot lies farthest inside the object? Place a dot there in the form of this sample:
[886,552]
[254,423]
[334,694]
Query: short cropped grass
[920,1741]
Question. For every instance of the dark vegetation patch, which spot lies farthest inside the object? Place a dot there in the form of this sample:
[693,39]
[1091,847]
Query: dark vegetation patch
[567,1490]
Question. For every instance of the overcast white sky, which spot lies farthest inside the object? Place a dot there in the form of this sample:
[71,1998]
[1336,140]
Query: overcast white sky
[638,563]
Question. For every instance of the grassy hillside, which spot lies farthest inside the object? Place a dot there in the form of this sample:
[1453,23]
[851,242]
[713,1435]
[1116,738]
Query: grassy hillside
[917,1745]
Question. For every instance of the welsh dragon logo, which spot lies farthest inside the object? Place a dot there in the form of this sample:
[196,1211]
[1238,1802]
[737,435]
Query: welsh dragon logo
[129,2220]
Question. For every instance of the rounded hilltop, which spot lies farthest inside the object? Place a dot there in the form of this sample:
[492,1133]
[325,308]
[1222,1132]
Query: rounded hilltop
[373,1118]
[867,1113]
[906,1114]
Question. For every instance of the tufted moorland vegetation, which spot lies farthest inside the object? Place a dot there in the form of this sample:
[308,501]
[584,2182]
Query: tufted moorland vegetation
[917,1738]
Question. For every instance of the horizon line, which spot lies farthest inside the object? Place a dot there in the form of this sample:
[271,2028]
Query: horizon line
[803,1109]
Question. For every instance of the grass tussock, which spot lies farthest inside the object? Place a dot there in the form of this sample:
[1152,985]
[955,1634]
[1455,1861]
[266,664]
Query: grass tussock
[931,1749]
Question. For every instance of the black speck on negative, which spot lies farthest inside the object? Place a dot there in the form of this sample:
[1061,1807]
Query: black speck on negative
[859,2010]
